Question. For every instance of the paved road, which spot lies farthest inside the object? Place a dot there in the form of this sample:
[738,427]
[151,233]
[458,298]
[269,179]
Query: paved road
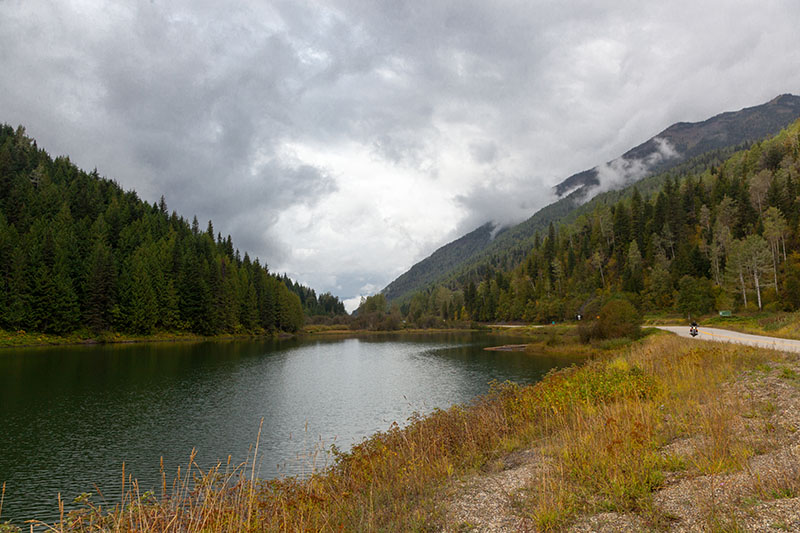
[498,326]
[724,335]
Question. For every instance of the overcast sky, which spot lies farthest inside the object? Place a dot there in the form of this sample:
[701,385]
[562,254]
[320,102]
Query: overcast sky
[341,142]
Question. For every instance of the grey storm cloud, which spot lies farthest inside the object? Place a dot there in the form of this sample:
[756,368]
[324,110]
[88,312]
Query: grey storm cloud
[285,121]
[518,198]
[484,152]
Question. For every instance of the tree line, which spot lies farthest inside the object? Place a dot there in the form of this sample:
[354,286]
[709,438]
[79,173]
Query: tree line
[725,238]
[78,252]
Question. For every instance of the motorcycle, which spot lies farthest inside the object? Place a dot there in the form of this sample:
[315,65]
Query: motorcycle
[693,331]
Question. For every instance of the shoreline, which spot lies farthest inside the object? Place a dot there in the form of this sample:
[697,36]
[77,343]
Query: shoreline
[38,340]
[504,447]
[45,340]
[343,332]
[24,339]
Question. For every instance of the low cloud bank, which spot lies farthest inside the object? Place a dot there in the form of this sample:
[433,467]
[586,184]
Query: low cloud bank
[621,172]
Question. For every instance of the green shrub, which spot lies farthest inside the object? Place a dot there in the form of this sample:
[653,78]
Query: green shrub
[695,296]
[619,318]
[588,330]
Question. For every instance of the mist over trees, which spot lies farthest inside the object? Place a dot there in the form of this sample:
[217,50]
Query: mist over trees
[78,252]
[721,238]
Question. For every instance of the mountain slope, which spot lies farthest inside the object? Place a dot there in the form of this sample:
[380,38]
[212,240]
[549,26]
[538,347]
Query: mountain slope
[699,243]
[682,145]
[447,258]
[685,140]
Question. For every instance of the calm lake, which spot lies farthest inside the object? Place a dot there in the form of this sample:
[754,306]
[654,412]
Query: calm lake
[70,416]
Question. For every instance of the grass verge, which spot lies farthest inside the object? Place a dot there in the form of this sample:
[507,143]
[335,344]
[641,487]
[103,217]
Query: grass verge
[612,456]
[773,323]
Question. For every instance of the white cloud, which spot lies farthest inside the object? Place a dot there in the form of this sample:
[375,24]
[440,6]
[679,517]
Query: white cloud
[623,171]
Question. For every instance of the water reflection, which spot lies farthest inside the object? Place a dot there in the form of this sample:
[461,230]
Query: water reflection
[70,416]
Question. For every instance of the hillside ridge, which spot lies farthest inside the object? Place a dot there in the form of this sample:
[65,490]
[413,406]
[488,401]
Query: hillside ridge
[689,139]
[701,143]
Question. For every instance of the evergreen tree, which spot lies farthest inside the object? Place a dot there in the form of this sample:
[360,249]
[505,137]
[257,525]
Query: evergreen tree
[637,218]
[100,283]
[194,293]
[17,312]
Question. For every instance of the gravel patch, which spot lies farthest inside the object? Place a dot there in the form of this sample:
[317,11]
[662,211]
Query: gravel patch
[486,502]
[764,496]
[611,523]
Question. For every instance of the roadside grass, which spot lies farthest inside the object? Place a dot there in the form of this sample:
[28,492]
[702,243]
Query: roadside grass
[773,323]
[776,324]
[609,456]
[604,425]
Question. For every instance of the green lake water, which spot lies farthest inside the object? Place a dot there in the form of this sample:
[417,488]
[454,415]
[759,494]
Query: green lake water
[70,416]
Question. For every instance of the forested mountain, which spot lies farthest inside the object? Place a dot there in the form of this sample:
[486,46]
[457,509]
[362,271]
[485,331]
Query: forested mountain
[686,140]
[724,238]
[696,146]
[448,258]
[78,252]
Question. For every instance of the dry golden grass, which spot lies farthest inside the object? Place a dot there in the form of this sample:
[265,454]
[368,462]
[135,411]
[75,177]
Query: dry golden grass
[609,456]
